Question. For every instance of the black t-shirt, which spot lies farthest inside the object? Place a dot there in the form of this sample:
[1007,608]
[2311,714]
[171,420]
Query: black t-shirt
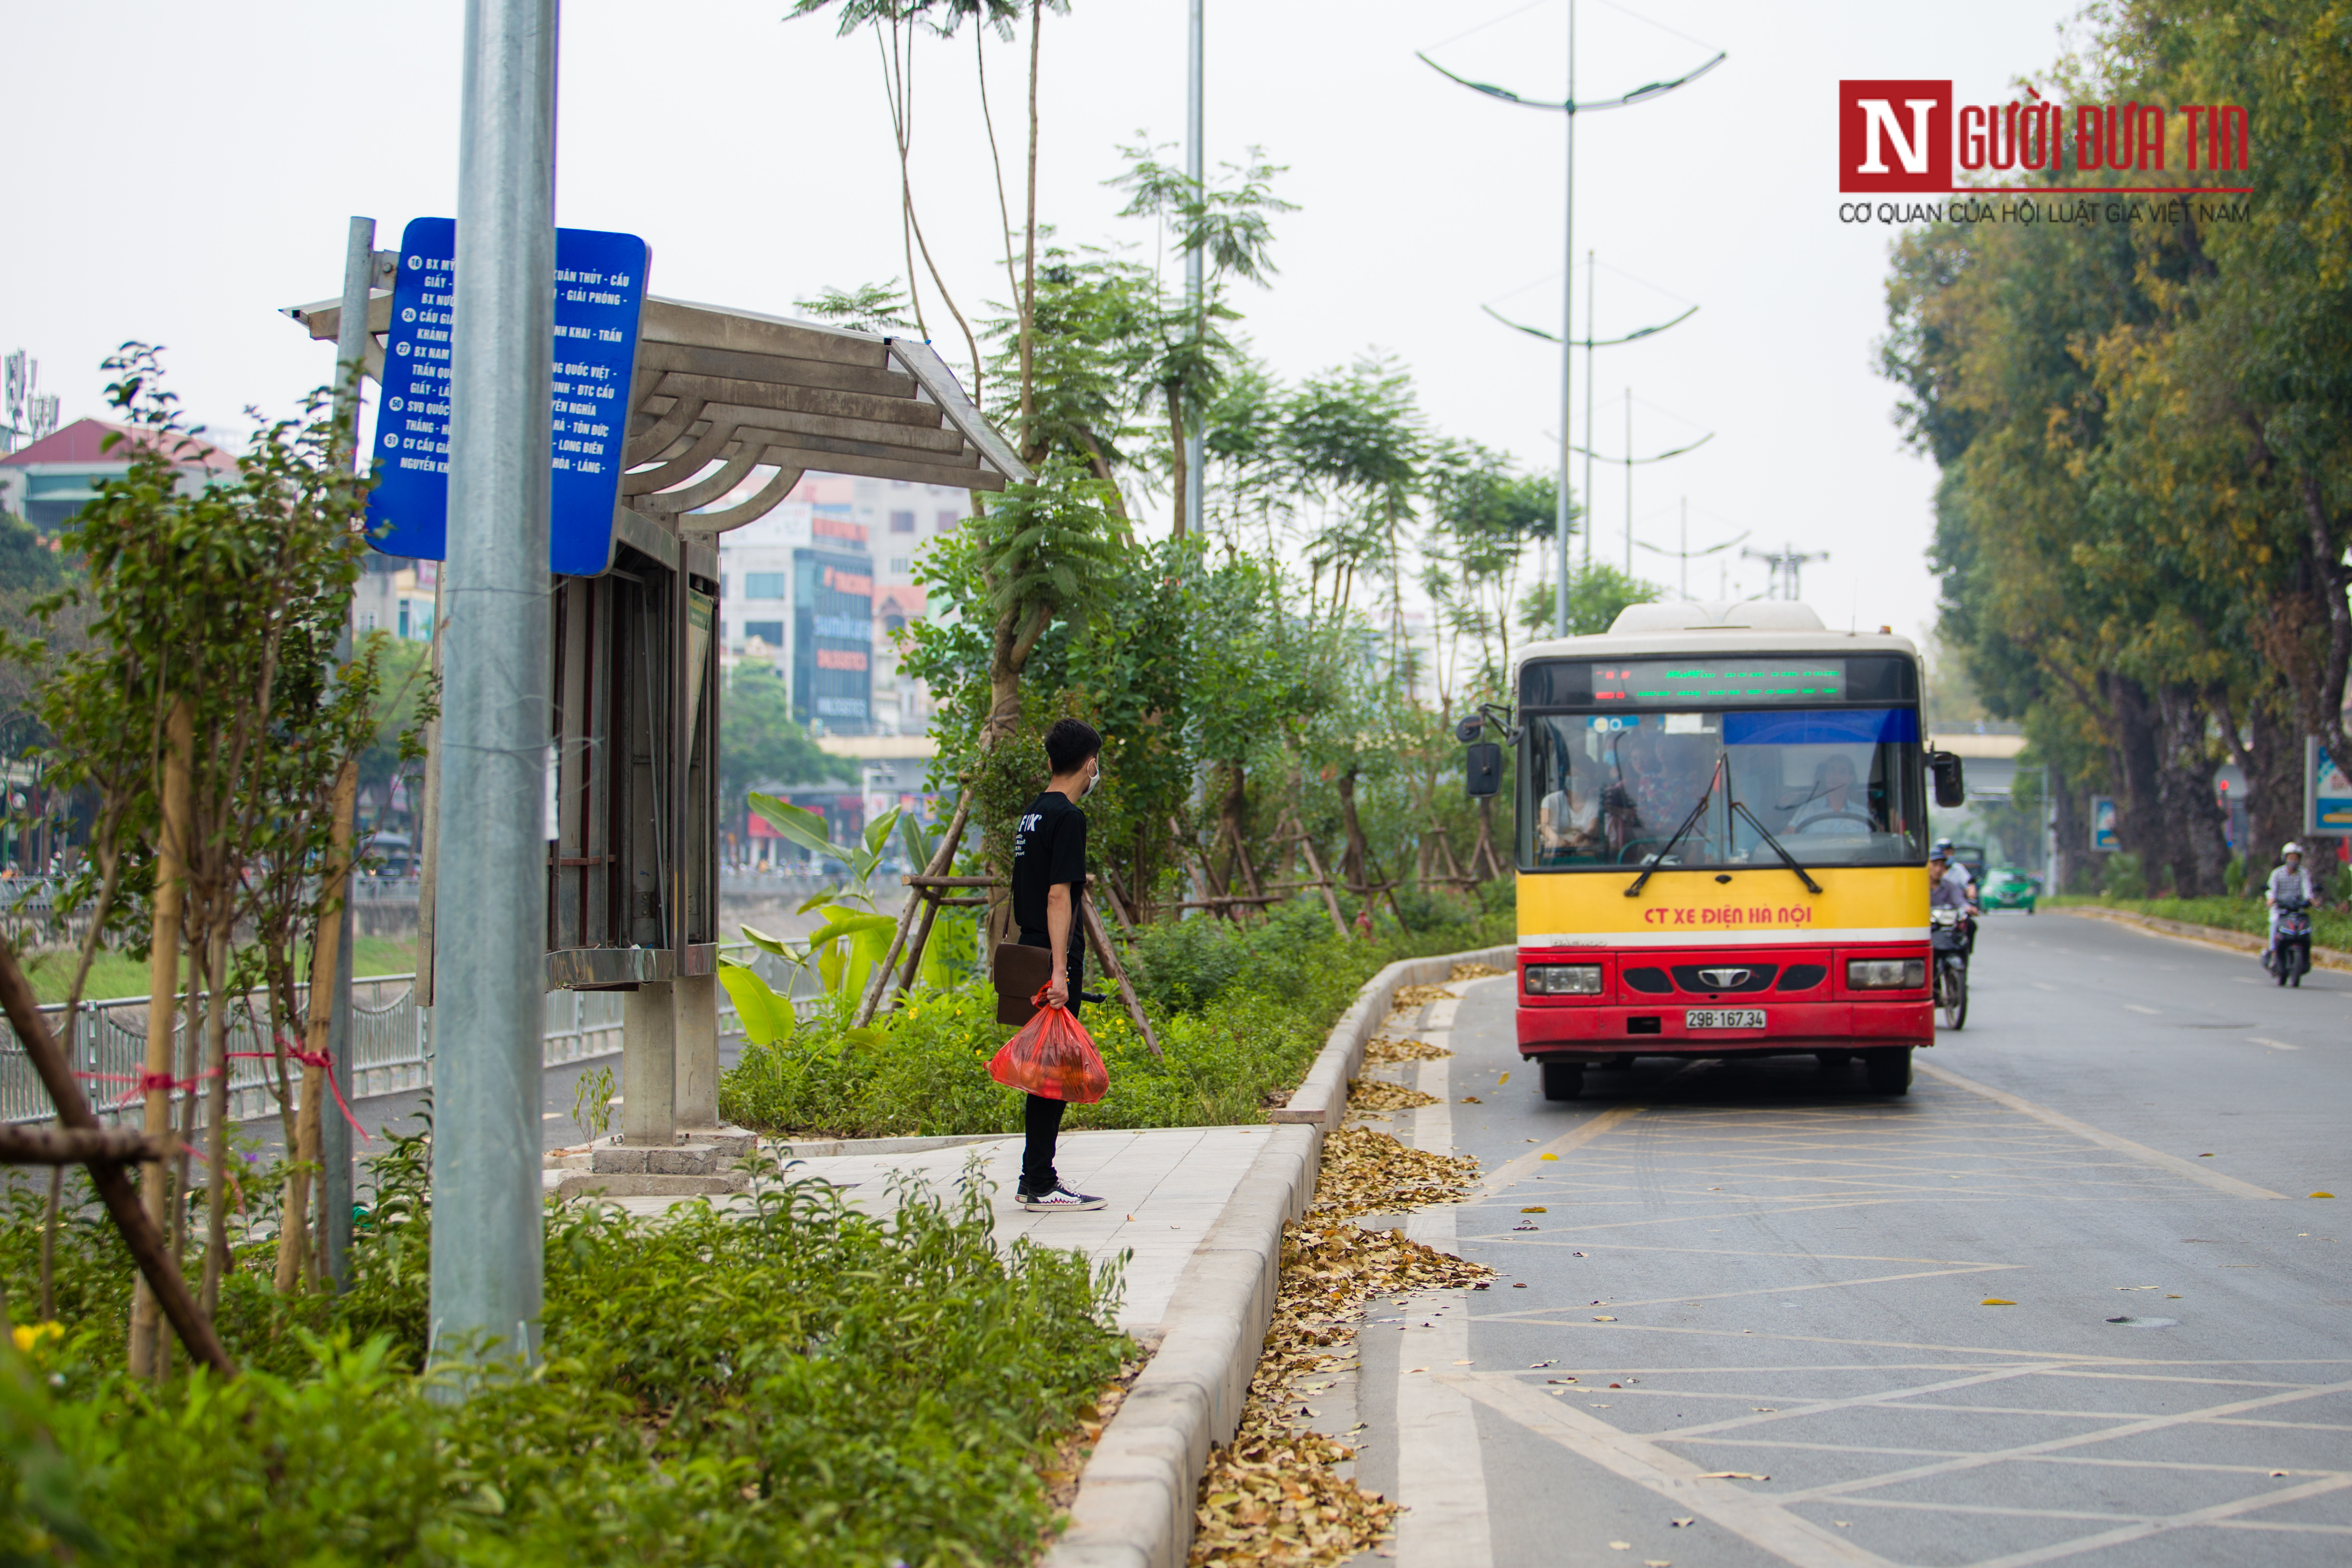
[1049,846]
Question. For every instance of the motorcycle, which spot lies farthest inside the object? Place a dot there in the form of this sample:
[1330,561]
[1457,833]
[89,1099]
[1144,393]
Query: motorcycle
[1949,938]
[2290,955]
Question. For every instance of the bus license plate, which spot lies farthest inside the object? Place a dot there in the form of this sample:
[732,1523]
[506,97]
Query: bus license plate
[1723,1017]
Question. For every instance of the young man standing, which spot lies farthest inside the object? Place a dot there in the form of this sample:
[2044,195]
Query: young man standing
[1049,876]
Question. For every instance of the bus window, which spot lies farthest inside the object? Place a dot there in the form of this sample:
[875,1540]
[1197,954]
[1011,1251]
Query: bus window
[1836,786]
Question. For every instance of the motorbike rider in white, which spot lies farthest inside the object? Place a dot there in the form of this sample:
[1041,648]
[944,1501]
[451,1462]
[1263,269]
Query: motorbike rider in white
[1948,888]
[2288,881]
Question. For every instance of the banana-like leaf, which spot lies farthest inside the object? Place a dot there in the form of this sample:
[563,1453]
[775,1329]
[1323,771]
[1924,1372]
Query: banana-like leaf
[877,832]
[766,944]
[915,842]
[767,1016]
[822,896]
[798,823]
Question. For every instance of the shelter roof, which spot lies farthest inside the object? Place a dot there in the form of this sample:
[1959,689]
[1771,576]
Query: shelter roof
[723,395]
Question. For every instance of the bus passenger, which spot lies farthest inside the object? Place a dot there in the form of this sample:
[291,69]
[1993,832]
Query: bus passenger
[1569,819]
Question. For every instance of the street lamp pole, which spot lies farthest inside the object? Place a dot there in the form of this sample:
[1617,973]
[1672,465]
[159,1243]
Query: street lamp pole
[1567,336]
[1571,108]
[489,1231]
[1195,166]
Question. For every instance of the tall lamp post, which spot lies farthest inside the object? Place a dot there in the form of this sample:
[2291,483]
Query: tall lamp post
[1195,445]
[1569,107]
[1587,343]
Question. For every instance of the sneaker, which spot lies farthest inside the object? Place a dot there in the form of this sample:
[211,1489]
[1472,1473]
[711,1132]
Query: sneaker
[1060,1197]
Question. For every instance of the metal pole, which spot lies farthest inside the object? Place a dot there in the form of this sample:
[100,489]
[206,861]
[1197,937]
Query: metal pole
[1566,329]
[334,1132]
[1195,447]
[492,921]
[1629,482]
[1684,552]
[1589,318]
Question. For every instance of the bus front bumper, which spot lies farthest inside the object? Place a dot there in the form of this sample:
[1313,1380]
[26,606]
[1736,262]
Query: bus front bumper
[1600,1032]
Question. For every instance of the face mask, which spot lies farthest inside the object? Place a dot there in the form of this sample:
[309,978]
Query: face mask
[1093,783]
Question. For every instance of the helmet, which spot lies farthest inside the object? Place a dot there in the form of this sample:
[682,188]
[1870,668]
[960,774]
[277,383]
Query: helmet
[2289,848]
[1944,844]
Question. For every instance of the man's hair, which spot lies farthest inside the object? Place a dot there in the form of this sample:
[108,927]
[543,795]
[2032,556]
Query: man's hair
[1069,743]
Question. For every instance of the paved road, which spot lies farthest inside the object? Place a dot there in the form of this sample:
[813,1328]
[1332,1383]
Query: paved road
[1765,1283]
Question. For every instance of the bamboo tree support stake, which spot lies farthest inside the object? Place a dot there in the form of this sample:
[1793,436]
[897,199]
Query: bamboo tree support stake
[1322,882]
[294,1261]
[140,1232]
[162,994]
[941,858]
[1111,964]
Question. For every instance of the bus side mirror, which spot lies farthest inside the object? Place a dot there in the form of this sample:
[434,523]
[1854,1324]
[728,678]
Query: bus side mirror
[1950,790]
[1486,770]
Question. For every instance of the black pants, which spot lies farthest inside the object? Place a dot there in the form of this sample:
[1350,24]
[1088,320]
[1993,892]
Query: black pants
[1041,1118]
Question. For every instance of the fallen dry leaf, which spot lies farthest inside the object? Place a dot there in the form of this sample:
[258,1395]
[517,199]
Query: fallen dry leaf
[1474,972]
[1996,1301]
[1410,996]
[1681,1524]
[1374,1094]
[1386,1050]
[1732,1476]
[1506,1078]
[1369,1172]
[1620,1546]
[1271,1498]
[1535,1208]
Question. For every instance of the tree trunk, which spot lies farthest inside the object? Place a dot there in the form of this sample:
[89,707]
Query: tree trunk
[293,1231]
[1355,863]
[2071,826]
[163,991]
[2139,811]
[2194,821]
[1176,464]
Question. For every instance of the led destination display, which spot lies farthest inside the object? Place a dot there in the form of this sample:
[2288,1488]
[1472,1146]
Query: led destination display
[1708,682]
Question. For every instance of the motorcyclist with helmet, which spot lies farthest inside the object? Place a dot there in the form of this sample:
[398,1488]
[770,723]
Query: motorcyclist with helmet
[1948,888]
[2291,887]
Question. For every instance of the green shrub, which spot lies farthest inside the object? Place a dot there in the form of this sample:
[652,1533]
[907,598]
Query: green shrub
[803,1384]
[1240,1012]
[2122,876]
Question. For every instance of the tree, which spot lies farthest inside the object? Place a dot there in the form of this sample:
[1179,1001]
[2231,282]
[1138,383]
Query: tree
[27,564]
[1597,594]
[1181,356]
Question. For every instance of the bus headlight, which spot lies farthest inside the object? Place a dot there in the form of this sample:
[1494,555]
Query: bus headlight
[1563,979]
[1886,974]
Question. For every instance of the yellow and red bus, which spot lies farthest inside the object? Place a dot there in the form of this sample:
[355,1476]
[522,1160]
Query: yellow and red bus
[1722,843]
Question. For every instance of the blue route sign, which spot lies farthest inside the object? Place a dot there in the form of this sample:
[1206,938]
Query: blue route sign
[599,291]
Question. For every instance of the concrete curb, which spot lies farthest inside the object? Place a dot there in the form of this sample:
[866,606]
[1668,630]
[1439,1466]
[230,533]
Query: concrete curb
[2211,936]
[1322,1096]
[1135,1502]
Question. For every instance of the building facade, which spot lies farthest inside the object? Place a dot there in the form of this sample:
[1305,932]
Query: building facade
[820,587]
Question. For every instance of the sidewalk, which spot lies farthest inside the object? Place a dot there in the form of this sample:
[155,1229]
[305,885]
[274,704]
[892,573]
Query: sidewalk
[1166,1187]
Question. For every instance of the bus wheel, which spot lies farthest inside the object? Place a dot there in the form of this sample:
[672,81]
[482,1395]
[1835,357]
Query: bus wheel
[1564,1080]
[1833,1060]
[1889,1068]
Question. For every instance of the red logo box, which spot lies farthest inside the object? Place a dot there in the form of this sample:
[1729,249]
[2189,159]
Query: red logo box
[1895,136]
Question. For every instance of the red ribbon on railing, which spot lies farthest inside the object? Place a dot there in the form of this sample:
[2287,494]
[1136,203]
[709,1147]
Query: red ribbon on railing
[325,1064]
[143,1083]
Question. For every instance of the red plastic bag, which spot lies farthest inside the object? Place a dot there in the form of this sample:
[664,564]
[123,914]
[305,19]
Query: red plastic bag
[1053,1057]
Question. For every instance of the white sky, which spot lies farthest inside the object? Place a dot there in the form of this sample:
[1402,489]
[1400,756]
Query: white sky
[185,170]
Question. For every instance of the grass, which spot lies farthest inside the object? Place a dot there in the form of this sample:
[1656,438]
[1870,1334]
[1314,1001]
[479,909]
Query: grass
[2329,928]
[1240,1013]
[113,975]
[804,1385]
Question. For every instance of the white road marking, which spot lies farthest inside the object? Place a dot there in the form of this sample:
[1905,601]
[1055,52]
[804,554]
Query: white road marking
[1755,1518]
[2136,1007]
[2273,1044]
[2122,1145]
[2042,985]
[1526,1164]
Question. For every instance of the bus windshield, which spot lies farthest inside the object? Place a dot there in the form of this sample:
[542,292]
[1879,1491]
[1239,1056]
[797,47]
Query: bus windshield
[1834,786]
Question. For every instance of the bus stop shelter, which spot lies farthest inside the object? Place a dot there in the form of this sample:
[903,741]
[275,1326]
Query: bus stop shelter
[724,403]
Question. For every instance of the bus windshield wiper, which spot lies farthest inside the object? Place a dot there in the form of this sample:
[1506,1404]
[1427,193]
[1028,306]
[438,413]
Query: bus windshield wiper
[1690,822]
[1779,848]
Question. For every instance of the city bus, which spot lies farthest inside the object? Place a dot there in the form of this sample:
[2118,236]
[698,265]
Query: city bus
[1722,842]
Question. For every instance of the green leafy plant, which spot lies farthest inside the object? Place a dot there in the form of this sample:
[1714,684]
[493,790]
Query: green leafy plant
[591,1104]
